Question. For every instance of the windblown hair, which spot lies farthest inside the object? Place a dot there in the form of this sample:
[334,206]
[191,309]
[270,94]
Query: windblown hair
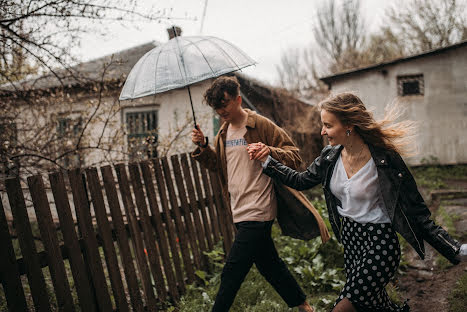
[385,133]
[215,96]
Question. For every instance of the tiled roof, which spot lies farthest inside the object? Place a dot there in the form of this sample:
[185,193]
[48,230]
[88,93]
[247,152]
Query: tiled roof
[122,63]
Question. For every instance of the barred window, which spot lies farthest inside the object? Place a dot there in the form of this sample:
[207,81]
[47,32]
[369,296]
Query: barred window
[68,127]
[68,132]
[142,134]
[410,85]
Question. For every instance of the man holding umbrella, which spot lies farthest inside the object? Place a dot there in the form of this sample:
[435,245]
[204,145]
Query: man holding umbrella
[252,196]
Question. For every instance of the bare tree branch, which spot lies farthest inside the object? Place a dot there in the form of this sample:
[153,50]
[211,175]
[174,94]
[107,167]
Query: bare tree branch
[426,25]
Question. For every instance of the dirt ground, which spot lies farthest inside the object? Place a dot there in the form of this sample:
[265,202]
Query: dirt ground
[428,283]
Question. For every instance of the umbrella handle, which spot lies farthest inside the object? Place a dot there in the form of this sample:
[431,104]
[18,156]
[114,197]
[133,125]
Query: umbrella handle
[205,138]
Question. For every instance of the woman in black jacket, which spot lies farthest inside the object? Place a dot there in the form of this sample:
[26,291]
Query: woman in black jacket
[370,195]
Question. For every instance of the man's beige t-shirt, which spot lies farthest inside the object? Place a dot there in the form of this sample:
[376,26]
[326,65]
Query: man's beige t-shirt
[252,196]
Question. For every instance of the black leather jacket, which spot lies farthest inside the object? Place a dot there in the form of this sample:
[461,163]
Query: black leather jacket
[408,212]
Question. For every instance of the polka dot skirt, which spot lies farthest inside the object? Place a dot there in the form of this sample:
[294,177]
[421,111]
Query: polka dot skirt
[371,256]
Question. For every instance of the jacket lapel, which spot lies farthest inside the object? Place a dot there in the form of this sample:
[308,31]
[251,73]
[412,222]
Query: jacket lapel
[221,151]
[389,187]
[331,158]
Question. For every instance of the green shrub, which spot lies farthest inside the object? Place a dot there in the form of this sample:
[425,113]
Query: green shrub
[458,297]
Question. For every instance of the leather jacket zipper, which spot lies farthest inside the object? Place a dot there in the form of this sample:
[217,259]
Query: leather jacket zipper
[413,233]
[449,243]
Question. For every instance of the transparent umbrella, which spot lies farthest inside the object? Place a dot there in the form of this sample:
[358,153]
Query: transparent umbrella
[180,62]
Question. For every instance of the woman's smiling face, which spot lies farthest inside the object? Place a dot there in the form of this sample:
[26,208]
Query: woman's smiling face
[333,128]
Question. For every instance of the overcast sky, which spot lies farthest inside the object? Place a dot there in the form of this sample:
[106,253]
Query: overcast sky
[264,29]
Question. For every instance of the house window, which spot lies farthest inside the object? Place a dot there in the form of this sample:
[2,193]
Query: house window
[410,85]
[69,128]
[8,141]
[68,131]
[142,134]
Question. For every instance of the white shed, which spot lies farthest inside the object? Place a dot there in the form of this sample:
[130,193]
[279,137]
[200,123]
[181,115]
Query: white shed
[433,88]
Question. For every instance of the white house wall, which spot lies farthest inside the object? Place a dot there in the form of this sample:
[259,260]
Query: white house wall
[441,112]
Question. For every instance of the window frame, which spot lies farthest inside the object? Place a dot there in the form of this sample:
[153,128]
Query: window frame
[402,79]
[148,130]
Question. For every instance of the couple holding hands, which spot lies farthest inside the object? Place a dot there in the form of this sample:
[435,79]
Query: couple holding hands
[370,195]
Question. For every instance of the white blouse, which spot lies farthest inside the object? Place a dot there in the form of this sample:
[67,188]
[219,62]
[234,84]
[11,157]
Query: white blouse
[360,195]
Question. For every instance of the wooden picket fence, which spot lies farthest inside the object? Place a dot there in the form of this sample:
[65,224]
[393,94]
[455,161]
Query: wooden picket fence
[150,255]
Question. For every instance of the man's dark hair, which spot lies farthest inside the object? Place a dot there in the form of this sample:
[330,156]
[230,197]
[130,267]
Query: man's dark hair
[215,96]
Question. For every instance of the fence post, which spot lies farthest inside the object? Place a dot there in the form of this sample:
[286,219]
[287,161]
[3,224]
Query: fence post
[28,247]
[9,274]
[92,255]
[84,288]
[50,242]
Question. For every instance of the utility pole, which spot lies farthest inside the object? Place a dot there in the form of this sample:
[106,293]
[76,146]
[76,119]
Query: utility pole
[202,18]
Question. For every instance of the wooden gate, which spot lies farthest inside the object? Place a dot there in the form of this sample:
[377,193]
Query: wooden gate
[130,243]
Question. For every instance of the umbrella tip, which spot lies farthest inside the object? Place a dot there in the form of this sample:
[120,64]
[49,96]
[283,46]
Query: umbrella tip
[174,31]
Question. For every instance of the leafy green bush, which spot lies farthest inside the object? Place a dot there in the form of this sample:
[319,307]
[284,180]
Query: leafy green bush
[458,297]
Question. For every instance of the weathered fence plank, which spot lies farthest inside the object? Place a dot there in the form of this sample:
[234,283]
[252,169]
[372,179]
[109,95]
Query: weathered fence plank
[122,239]
[187,214]
[159,227]
[202,204]
[72,246]
[136,236]
[221,211]
[169,224]
[105,233]
[51,245]
[214,218]
[195,209]
[28,247]
[9,274]
[92,255]
[178,222]
[151,246]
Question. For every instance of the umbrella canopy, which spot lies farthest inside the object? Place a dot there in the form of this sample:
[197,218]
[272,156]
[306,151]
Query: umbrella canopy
[180,62]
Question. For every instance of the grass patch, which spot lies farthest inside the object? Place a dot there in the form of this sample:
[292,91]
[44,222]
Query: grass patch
[393,293]
[448,221]
[432,177]
[442,262]
[458,297]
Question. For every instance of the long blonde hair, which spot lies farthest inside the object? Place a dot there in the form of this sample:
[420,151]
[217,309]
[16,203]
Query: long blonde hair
[385,133]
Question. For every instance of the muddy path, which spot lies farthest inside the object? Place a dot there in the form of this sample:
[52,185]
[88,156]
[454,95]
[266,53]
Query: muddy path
[429,283]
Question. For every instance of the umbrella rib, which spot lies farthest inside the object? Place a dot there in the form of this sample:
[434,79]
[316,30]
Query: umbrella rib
[225,53]
[155,71]
[142,61]
[201,54]
[180,59]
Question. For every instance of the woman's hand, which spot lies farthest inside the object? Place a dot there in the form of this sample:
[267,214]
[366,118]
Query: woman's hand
[258,151]
[197,136]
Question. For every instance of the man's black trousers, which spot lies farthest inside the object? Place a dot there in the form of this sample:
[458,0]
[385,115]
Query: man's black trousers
[253,244]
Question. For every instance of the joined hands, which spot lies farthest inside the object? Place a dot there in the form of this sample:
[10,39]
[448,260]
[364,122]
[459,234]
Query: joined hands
[258,151]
